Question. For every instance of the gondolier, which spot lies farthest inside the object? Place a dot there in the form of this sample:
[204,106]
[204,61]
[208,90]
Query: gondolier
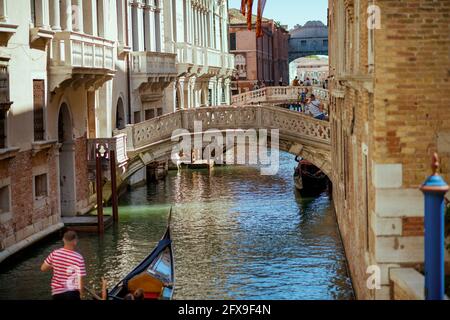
[68,269]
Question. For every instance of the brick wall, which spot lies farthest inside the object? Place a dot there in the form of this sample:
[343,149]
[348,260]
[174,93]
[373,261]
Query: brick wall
[412,101]
[27,215]
[385,126]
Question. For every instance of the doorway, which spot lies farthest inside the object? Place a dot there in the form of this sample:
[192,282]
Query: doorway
[120,115]
[66,162]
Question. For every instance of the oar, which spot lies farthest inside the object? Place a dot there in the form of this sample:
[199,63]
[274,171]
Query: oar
[92,293]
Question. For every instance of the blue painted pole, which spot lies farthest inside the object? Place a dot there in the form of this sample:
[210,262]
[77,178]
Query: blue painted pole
[434,189]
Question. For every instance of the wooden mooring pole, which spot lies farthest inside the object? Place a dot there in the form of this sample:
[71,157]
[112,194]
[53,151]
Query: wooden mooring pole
[114,196]
[99,187]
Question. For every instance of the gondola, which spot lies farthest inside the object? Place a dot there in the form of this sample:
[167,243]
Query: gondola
[308,178]
[154,275]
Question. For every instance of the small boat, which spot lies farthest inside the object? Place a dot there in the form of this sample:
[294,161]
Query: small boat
[154,275]
[309,178]
[200,164]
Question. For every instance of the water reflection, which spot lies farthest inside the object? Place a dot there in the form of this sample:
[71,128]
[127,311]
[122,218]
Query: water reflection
[237,235]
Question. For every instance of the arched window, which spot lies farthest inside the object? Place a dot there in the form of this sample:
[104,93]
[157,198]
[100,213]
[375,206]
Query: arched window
[120,115]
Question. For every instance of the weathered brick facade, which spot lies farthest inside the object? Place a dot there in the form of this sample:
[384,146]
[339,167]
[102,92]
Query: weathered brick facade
[390,110]
[27,215]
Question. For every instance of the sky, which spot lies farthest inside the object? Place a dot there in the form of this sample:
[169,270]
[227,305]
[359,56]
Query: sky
[291,12]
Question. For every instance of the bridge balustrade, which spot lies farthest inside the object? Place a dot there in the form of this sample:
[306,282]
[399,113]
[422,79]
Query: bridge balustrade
[293,124]
[279,95]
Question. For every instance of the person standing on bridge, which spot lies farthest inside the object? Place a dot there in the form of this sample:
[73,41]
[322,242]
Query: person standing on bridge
[315,108]
[295,82]
[68,269]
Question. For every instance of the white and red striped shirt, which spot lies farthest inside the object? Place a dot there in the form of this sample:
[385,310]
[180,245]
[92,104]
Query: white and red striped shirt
[68,267]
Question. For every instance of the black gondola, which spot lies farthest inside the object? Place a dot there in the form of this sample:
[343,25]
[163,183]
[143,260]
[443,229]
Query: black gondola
[308,178]
[154,275]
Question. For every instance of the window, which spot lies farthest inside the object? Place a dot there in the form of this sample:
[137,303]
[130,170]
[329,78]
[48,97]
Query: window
[157,27]
[325,43]
[38,109]
[147,33]
[137,116]
[159,112]
[3,114]
[134,23]
[4,104]
[40,186]
[303,43]
[33,12]
[233,41]
[100,22]
[4,199]
[210,97]
[223,96]
[149,114]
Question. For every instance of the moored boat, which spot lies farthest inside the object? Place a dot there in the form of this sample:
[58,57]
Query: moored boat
[308,178]
[154,275]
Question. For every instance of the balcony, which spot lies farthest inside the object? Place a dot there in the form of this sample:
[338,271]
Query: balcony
[152,71]
[203,61]
[79,59]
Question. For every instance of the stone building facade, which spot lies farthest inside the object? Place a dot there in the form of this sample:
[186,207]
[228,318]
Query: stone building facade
[263,59]
[390,110]
[73,71]
[310,39]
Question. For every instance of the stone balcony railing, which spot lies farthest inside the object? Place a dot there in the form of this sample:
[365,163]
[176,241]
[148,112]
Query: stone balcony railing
[148,66]
[204,58]
[72,49]
[83,55]
[153,63]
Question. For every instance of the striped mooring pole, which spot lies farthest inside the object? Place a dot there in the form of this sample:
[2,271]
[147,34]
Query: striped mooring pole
[434,189]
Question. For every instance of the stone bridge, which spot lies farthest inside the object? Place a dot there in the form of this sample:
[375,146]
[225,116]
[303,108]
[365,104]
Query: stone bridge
[150,141]
[141,144]
[279,95]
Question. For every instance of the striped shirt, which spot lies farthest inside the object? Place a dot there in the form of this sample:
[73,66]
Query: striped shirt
[68,267]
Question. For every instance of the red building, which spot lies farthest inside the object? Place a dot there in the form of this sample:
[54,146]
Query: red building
[264,60]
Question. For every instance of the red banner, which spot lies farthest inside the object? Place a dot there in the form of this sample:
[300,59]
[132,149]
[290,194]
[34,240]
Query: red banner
[247,10]
[261,6]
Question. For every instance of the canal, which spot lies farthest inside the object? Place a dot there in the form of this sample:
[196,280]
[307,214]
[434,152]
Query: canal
[237,235]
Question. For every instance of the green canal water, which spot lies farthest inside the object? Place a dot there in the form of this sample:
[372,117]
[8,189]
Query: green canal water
[236,234]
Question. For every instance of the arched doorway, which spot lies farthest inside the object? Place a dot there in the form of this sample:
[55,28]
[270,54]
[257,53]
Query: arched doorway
[120,115]
[66,162]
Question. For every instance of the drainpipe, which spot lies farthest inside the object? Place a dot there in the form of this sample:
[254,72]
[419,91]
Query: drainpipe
[127,64]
